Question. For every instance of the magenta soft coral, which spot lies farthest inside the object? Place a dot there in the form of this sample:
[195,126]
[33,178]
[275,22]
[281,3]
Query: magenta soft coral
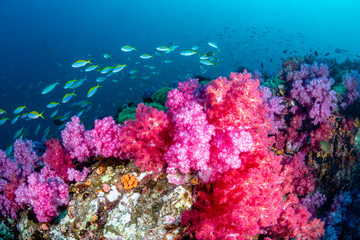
[45,192]
[105,137]
[146,138]
[76,140]
[14,173]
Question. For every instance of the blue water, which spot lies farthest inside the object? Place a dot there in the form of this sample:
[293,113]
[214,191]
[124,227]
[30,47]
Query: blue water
[248,33]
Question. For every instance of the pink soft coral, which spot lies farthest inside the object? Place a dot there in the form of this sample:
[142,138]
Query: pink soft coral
[191,131]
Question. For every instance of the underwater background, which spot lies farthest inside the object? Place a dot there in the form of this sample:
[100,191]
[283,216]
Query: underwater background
[259,137]
[250,34]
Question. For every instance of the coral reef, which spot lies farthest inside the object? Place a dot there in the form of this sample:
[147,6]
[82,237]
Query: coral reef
[233,158]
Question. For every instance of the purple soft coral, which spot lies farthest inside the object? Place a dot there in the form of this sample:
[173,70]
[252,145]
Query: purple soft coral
[311,87]
[351,82]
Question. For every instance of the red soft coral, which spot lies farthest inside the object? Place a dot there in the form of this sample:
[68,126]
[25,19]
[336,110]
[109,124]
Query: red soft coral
[146,138]
[296,222]
[55,156]
[236,102]
[242,204]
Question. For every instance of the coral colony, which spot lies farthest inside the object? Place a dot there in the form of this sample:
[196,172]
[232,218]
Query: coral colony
[263,158]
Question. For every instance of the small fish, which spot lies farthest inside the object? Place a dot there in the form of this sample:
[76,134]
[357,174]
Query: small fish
[195,48]
[325,146]
[262,65]
[85,104]
[145,56]
[49,88]
[70,83]
[24,115]
[80,63]
[90,68]
[106,70]
[80,113]
[118,68]
[93,90]
[132,71]
[9,150]
[101,79]
[52,104]
[46,132]
[2,111]
[285,51]
[204,56]
[19,109]
[78,83]
[128,48]
[167,61]
[35,115]
[18,133]
[174,47]
[14,120]
[206,62]
[107,56]
[151,67]
[3,120]
[188,53]
[68,96]
[54,113]
[270,60]
[327,54]
[37,129]
[316,53]
[109,74]
[211,44]
[163,49]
